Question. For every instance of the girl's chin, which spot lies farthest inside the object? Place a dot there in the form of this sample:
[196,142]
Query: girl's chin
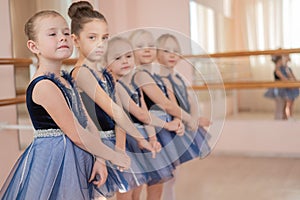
[95,58]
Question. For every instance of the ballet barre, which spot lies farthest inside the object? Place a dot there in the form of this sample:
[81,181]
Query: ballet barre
[19,62]
[12,101]
[4,125]
[26,62]
[225,86]
[72,61]
[244,53]
[247,85]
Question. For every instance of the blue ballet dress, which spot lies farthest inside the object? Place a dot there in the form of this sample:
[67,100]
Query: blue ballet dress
[284,93]
[117,181]
[197,140]
[157,173]
[52,167]
[179,149]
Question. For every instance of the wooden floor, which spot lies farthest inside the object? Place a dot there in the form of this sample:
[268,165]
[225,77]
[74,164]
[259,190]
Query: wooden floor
[222,177]
[239,178]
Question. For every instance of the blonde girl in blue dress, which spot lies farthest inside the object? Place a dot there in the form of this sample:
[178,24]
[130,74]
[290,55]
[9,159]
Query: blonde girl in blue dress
[158,101]
[120,61]
[168,56]
[59,163]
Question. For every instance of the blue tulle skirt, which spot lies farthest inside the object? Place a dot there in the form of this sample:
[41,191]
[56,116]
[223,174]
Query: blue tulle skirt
[200,140]
[179,149]
[284,93]
[51,168]
[126,180]
[158,169]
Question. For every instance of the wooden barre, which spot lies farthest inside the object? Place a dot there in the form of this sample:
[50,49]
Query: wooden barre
[248,85]
[12,101]
[20,62]
[244,53]
[225,86]
[25,62]
[72,61]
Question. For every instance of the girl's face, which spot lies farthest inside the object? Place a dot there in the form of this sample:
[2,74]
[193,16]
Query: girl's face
[120,58]
[144,49]
[53,39]
[167,54]
[92,40]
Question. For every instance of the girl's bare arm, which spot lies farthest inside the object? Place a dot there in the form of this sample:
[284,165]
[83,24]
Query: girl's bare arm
[49,96]
[141,113]
[87,82]
[147,84]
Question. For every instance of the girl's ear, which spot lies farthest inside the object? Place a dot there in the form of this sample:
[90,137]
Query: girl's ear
[33,47]
[75,40]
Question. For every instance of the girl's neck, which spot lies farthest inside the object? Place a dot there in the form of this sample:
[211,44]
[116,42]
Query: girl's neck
[147,66]
[153,68]
[49,66]
[127,78]
[165,71]
[84,61]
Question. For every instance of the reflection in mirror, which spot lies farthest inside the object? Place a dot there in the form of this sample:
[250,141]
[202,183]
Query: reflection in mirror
[218,28]
[247,103]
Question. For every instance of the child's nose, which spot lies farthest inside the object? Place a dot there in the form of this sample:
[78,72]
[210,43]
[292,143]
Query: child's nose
[63,37]
[125,60]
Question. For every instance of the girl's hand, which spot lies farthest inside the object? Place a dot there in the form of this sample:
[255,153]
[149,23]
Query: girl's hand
[144,144]
[172,125]
[180,126]
[193,125]
[121,159]
[155,144]
[181,129]
[99,169]
[204,121]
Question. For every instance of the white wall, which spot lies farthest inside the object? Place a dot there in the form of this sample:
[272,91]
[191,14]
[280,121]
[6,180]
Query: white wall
[125,15]
[168,14]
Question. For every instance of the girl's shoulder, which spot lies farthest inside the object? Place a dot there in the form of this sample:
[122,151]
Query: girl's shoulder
[142,72]
[52,78]
[47,86]
[142,75]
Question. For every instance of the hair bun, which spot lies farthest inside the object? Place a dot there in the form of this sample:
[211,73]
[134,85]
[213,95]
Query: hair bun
[79,6]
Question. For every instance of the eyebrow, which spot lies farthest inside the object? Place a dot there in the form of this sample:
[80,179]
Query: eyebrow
[55,28]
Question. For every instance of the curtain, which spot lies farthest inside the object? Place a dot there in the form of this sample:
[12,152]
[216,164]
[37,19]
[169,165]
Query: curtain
[270,24]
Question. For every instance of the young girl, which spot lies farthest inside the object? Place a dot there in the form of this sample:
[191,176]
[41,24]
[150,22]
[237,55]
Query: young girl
[273,93]
[284,97]
[89,31]
[290,94]
[168,55]
[57,164]
[157,99]
[120,61]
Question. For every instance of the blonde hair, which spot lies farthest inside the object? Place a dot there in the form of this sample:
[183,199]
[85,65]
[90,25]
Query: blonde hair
[160,42]
[112,41]
[30,26]
[138,33]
